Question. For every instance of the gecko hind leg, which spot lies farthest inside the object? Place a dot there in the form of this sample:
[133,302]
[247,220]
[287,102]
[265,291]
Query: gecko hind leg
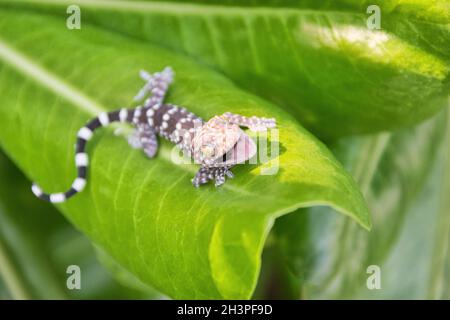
[156,84]
[144,137]
[149,142]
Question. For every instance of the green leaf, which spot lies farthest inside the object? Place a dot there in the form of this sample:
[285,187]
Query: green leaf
[186,242]
[306,56]
[124,276]
[405,179]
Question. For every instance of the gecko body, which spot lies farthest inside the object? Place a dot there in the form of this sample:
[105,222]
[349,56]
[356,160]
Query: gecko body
[217,145]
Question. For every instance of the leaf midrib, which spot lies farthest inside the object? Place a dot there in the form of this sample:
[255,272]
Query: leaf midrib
[21,63]
[193,8]
[180,7]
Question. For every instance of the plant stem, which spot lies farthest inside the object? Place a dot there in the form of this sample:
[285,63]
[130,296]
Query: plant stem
[442,239]
[12,278]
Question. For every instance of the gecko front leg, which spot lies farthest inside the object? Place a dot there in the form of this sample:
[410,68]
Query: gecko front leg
[253,123]
[206,174]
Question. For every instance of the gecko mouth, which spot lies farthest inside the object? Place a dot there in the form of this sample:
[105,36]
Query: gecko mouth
[243,150]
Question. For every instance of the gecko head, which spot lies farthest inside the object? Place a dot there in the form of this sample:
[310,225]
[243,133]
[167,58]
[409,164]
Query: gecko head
[219,143]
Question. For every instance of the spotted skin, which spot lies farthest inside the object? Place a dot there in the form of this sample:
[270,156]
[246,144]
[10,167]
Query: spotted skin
[154,118]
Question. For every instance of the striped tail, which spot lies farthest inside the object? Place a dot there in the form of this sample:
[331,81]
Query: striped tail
[81,157]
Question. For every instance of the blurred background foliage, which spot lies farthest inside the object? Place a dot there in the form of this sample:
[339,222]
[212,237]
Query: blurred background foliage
[37,245]
[404,176]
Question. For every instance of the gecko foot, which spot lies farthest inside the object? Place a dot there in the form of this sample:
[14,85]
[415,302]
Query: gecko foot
[144,138]
[205,174]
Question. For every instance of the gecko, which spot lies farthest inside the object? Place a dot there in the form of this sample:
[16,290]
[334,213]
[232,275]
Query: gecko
[216,145]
